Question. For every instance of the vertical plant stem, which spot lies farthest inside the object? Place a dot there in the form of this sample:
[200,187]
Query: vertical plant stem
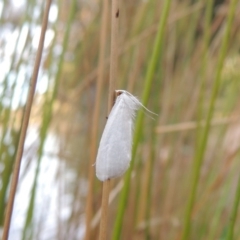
[104,210]
[94,133]
[111,97]
[46,120]
[199,154]
[233,217]
[114,52]
[25,122]
[158,46]
[203,70]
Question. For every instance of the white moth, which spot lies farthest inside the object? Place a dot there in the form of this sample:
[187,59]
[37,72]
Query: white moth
[115,148]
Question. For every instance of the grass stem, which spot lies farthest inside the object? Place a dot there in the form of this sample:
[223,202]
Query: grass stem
[96,111]
[233,216]
[115,12]
[158,46]
[104,210]
[200,152]
[25,122]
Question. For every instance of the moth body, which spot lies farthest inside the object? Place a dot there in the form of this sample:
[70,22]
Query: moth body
[115,148]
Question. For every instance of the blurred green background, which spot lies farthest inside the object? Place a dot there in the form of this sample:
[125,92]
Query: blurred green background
[182,61]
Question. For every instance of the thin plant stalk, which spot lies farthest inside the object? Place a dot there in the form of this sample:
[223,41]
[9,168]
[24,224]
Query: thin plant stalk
[203,70]
[96,111]
[25,122]
[199,154]
[149,186]
[46,120]
[233,216]
[111,97]
[14,57]
[104,210]
[115,12]
[133,42]
[193,125]
[158,46]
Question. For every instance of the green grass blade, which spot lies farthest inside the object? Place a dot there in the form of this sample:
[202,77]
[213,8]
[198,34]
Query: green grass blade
[27,232]
[233,217]
[199,154]
[147,87]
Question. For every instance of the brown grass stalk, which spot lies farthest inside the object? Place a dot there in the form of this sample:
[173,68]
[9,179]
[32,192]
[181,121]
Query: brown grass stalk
[94,132]
[184,126]
[217,182]
[134,42]
[104,210]
[25,122]
[111,97]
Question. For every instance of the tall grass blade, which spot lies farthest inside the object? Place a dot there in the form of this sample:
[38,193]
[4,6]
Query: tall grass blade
[199,154]
[233,217]
[47,115]
[25,124]
[139,123]
[96,111]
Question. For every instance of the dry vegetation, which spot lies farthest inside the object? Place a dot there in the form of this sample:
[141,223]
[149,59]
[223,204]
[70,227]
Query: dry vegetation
[184,181]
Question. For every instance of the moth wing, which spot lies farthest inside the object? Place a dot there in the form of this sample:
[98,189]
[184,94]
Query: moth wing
[114,152]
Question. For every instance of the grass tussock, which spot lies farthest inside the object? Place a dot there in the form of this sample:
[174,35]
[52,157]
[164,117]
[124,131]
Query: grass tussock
[181,58]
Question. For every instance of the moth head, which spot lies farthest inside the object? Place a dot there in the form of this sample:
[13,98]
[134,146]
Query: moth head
[119,92]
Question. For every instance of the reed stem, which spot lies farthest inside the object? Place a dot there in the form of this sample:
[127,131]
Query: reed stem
[158,47]
[104,210]
[233,216]
[111,97]
[200,152]
[96,111]
[25,122]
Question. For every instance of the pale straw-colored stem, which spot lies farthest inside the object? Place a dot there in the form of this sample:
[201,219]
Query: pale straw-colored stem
[114,52]
[94,132]
[104,212]
[25,122]
[185,126]
[111,97]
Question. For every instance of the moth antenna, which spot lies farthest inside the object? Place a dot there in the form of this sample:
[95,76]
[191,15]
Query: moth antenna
[119,92]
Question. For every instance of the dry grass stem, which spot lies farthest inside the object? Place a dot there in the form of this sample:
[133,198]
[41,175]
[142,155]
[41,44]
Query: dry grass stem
[104,210]
[115,12]
[193,125]
[25,122]
[133,42]
[94,132]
